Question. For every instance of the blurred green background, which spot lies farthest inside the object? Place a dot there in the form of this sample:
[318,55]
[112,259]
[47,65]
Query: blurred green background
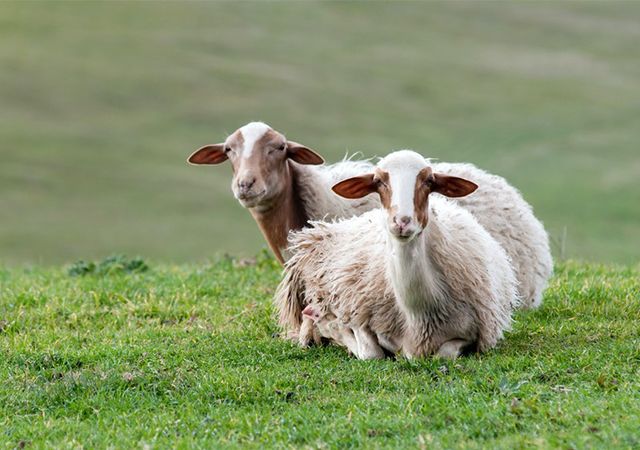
[100,104]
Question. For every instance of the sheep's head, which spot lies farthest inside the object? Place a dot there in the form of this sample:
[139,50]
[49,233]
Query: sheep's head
[404,181]
[259,157]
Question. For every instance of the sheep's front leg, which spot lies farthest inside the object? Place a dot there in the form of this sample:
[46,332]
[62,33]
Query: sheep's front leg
[308,333]
[368,347]
[452,349]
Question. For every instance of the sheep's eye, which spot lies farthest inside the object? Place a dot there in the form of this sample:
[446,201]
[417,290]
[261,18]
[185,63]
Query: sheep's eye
[277,148]
[227,149]
[378,182]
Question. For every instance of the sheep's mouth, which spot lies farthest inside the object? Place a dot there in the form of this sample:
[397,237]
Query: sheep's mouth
[250,199]
[249,196]
[405,236]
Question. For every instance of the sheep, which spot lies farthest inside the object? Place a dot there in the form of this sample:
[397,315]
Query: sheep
[276,180]
[420,276]
[283,184]
[503,212]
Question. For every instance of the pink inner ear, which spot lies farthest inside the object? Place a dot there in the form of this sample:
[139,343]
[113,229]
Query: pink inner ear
[303,155]
[209,154]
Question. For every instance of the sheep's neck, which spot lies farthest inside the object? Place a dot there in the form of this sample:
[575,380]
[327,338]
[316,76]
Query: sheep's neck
[416,280]
[286,214]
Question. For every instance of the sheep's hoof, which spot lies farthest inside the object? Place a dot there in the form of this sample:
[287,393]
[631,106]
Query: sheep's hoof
[305,341]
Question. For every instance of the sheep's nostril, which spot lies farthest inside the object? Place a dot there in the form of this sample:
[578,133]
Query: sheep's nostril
[246,184]
[402,221]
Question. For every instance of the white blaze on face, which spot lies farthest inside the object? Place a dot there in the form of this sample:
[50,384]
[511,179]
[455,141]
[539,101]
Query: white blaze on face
[245,170]
[251,133]
[403,167]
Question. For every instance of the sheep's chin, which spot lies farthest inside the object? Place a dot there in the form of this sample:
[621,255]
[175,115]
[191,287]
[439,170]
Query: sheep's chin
[404,238]
[261,203]
[253,201]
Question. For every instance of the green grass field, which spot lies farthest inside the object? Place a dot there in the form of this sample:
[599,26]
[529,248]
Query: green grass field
[101,102]
[185,357]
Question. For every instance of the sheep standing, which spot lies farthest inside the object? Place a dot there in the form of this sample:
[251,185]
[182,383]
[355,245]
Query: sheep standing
[421,275]
[283,184]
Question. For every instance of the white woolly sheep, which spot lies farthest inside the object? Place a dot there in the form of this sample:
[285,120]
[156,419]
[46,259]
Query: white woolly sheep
[276,180]
[421,275]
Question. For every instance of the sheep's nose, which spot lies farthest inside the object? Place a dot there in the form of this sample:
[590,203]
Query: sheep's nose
[246,183]
[402,221]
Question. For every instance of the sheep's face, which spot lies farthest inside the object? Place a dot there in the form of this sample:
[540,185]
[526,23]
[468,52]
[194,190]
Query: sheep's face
[259,156]
[404,181]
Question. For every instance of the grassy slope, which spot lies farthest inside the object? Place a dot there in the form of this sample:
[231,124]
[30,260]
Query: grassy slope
[102,102]
[185,356]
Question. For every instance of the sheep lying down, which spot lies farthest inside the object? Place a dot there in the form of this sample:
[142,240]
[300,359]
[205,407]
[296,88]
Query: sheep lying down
[420,276]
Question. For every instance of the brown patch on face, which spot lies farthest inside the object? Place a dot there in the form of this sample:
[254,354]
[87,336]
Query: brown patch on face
[381,179]
[270,138]
[267,158]
[421,196]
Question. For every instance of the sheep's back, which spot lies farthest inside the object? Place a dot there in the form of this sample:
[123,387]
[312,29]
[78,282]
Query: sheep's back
[314,184]
[503,212]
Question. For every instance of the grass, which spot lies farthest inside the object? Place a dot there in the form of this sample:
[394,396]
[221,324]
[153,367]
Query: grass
[101,102]
[125,354]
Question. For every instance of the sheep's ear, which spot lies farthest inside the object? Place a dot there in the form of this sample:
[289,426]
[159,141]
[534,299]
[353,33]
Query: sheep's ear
[451,186]
[303,155]
[356,187]
[209,154]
